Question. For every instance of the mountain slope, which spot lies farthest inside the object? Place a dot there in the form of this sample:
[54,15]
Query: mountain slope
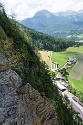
[16,47]
[39,21]
[46,42]
[23,59]
[61,24]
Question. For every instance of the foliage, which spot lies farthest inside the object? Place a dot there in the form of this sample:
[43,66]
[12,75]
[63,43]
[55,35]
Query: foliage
[46,42]
[64,73]
[76,93]
[23,58]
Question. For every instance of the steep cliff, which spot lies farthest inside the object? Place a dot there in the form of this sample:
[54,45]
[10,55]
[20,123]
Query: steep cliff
[20,104]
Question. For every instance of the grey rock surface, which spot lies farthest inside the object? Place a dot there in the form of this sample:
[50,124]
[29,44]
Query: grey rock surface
[20,104]
[3,63]
[10,78]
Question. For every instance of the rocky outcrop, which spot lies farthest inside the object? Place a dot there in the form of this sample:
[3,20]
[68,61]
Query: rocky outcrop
[3,63]
[20,104]
[34,109]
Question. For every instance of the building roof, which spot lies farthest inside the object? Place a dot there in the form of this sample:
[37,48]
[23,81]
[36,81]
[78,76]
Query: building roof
[59,76]
[54,62]
[64,84]
[61,87]
[72,59]
[69,63]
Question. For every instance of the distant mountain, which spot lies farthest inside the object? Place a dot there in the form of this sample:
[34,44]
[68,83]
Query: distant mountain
[66,13]
[66,25]
[40,21]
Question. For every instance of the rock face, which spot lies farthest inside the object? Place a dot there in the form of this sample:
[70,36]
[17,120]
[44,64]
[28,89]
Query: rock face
[3,63]
[21,104]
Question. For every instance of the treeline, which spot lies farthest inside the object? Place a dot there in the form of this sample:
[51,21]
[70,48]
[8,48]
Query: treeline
[46,42]
[23,59]
[76,93]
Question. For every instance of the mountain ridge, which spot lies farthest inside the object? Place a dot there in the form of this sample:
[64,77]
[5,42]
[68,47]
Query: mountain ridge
[60,24]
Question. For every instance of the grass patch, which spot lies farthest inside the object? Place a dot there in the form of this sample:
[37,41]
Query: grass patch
[80,41]
[62,57]
[80,36]
[77,84]
[77,71]
[59,57]
[74,50]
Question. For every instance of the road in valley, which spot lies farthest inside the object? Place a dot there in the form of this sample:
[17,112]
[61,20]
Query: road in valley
[74,104]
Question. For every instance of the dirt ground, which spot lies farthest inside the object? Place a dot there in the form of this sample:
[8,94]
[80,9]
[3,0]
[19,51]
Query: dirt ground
[46,56]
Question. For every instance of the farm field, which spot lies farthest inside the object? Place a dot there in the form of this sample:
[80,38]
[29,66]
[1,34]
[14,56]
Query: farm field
[62,57]
[77,84]
[76,72]
[59,57]
[79,38]
[74,50]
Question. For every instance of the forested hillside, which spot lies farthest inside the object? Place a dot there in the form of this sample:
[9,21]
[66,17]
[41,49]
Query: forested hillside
[47,42]
[15,45]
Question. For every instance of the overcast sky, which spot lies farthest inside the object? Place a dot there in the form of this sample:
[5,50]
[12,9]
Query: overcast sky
[27,8]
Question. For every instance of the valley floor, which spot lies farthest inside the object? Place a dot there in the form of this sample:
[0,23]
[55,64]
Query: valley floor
[74,104]
[76,72]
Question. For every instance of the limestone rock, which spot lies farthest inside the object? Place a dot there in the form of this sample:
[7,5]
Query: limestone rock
[21,104]
[9,108]
[35,108]
[10,78]
[3,63]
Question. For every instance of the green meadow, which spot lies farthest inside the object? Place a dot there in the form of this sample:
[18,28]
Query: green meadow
[76,72]
[59,57]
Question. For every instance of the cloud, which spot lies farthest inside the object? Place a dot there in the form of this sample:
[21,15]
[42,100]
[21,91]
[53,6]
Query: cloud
[77,5]
[27,8]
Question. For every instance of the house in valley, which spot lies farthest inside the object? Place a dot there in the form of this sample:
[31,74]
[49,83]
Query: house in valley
[61,87]
[64,84]
[54,66]
[71,61]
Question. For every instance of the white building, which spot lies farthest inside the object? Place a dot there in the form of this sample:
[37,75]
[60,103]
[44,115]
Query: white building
[54,66]
[61,87]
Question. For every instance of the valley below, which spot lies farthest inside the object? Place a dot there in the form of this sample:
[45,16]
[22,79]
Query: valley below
[75,72]
[75,77]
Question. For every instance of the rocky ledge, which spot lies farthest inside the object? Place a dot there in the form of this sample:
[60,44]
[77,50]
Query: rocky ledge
[20,104]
